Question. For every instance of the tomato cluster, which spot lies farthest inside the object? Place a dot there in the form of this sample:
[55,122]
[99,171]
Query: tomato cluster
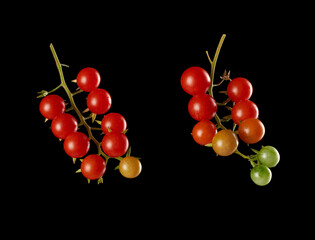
[77,144]
[244,113]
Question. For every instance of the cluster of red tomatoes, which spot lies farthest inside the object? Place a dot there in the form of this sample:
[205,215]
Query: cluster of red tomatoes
[202,107]
[244,113]
[77,144]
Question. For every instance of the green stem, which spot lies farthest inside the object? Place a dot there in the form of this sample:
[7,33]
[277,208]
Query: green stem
[214,62]
[251,160]
[73,105]
[213,65]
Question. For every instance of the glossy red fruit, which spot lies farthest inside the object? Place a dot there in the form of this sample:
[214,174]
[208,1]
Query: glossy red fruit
[202,107]
[93,167]
[63,125]
[203,132]
[51,106]
[239,89]
[243,110]
[195,80]
[88,79]
[99,101]
[113,121]
[115,144]
[76,145]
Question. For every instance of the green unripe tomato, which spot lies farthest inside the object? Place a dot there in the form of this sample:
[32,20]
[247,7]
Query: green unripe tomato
[261,175]
[268,156]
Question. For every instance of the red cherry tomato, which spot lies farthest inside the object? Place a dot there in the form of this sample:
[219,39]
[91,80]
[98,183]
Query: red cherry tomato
[115,144]
[251,130]
[76,144]
[195,80]
[88,79]
[243,110]
[93,167]
[203,132]
[202,107]
[99,101]
[113,121]
[239,89]
[51,106]
[63,125]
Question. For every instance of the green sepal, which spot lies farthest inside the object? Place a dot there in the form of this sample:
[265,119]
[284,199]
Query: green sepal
[98,121]
[254,150]
[74,159]
[116,168]
[78,171]
[209,145]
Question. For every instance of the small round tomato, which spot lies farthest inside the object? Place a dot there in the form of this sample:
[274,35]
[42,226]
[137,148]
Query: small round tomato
[115,144]
[202,107]
[76,144]
[63,125]
[239,89]
[99,101]
[225,142]
[130,167]
[203,132]
[51,106]
[88,79]
[113,121]
[93,167]
[195,80]
[243,110]
[261,175]
[268,156]
[251,130]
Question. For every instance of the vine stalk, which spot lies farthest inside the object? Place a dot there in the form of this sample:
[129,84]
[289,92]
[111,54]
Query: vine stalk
[73,105]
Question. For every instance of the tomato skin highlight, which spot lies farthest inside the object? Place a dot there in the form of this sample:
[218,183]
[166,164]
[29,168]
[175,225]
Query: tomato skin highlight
[239,89]
[51,106]
[225,142]
[93,167]
[203,132]
[202,107]
[113,121]
[115,144]
[130,167]
[88,79]
[243,110]
[63,125]
[76,145]
[251,130]
[99,101]
[195,80]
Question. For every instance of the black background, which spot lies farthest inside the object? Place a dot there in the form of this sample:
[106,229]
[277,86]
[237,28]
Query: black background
[141,54]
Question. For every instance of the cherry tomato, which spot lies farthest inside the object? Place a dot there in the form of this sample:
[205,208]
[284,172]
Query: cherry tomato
[93,167]
[63,125]
[251,130]
[130,167]
[76,144]
[195,80]
[115,144]
[268,156]
[225,142]
[244,109]
[99,101]
[113,121]
[261,175]
[51,106]
[239,89]
[202,107]
[203,132]
[88,79]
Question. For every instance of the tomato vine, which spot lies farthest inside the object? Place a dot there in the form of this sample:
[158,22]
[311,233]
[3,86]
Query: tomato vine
[244,113]
[64,126]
